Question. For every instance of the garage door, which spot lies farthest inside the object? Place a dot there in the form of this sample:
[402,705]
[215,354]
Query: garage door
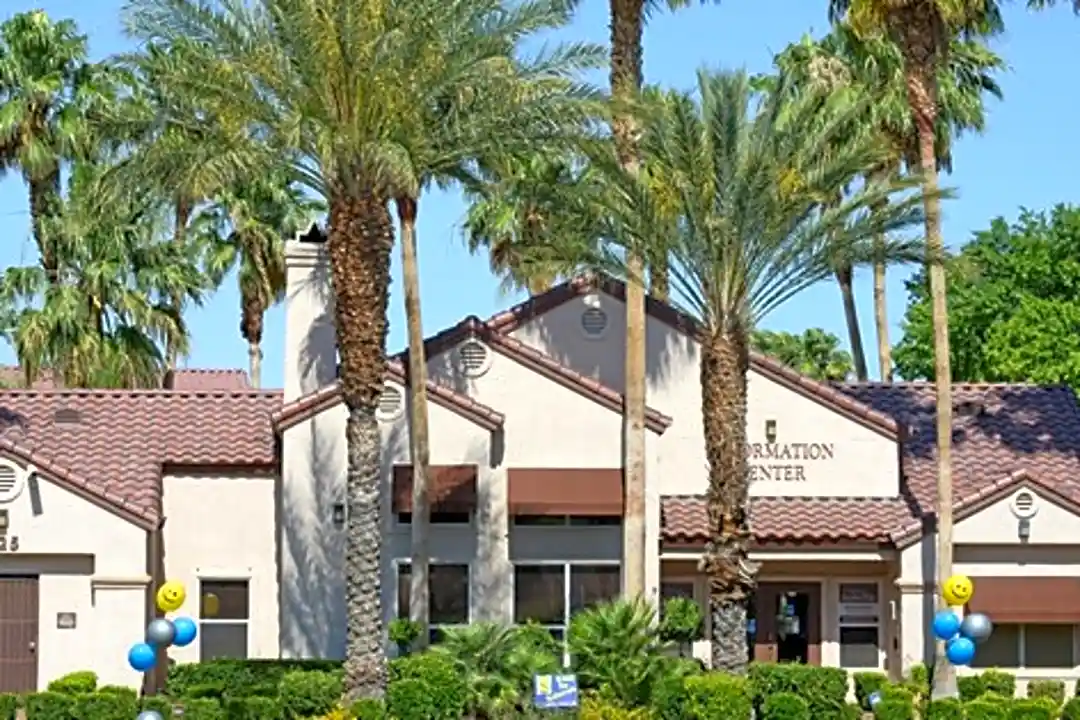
[18,634]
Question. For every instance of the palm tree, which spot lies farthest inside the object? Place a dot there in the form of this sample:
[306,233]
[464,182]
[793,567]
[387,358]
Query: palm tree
[874,66]
[325,85]
[244,230]
[752,175]
[47,87]
[101,319]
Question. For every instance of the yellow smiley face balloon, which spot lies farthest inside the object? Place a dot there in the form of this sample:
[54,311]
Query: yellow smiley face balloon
[171,596]
[957,590]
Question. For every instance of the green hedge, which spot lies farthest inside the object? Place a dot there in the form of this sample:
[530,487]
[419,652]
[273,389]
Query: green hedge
[824,689]
[237,678]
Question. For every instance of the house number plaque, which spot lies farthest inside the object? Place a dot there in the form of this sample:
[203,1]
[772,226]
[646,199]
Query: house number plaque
[9,543]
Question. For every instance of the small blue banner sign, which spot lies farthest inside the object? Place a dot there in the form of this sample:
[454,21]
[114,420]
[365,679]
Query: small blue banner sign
[552,692]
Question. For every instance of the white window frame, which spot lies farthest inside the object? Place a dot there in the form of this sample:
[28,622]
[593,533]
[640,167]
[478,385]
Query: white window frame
[398,562]
[246,579]
[880,625]
[566,565]
[1021,652]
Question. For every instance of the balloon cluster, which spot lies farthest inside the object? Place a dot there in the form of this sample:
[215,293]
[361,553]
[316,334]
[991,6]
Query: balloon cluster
[162,633]
[960,635]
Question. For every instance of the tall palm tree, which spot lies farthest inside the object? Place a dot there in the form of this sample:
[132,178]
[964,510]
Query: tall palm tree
[244,229]
[47,87]
[103,321]
[325,85]
[874,66]
[752,175]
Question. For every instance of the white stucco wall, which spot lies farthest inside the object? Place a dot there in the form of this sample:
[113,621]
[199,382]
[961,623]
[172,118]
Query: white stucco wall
[219,527]
[90,562]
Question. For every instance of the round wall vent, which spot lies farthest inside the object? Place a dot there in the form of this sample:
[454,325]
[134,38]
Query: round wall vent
[594,323]
[1024,505]
[11,482]
[474,358]
[391,403]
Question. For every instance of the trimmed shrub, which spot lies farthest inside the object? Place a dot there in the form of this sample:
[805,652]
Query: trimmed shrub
[119,690]
[158,703]
[9,705]
[1053,689]
[785,706]
[897,692]
[236,678]
[76,683]
[307,694]
[866,684]
[944,709]
[1031,710]
[716,696]
[368,709]
[593,708]
[49,706]
[824,689]
[201,709]
[971,687]
[898,709]
[851,711]
[426,687]
[999,682]
[252,708]
[106,706]
[1071,709]
[986,708]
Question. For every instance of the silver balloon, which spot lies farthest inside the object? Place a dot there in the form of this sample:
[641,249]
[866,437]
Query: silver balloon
[149,715]
[874,699]
[160,632]
[976,627]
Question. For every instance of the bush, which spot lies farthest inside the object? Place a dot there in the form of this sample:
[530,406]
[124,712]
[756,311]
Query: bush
[894,710]
[971,687]
[403,633]
[252,708]
[426,687]
[1053,689]
[999,682]
[716,696]
[158,704]
[9,705]
[201,709]
[986,708]
[593,708]
[76,683]
[866,684]
[236,678]
[368,709]
[824,689]
[49,706]
[306,694]
[1031,710]
[119,690]
[785,706]
[106,706]
[944,709]
[898,692]
[1071,709]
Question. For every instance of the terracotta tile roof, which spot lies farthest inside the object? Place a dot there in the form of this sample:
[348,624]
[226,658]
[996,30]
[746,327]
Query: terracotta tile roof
[536,361]
[310,405]
[187,379]
[823,393]
[111,446]
[684,519]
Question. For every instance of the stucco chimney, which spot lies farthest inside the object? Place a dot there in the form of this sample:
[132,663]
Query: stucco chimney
[310,342]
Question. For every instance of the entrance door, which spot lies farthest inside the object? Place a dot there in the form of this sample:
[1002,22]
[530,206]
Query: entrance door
[18,634]
[788,622]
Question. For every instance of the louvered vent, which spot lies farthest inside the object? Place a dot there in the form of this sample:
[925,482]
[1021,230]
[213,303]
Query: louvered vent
[390,402]
[594,322]
[9,481]
[473,358]
[1023,505]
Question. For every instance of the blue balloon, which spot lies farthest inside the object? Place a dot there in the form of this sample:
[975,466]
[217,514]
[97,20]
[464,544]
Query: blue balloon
[185,631]
[142,657]
[946,625]
[960,651]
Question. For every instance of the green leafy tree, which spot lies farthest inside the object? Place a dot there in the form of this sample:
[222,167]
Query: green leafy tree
[1014,313]
[814,353]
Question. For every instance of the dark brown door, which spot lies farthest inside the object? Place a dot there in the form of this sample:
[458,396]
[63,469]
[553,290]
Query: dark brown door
[770,645]
[18,634]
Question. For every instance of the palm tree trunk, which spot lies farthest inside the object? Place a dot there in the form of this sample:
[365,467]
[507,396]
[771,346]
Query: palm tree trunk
[45,205]
[917,33]
[419,600]
[881,315]
[251,328]
[181,217]
[361,235]
[845,278]
[724,363]
[627,20]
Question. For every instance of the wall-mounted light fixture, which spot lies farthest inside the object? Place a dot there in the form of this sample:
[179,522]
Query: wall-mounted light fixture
[1023,529]
[338,515]
[770,431]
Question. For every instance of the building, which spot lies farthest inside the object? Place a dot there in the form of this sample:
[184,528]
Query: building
[239,494]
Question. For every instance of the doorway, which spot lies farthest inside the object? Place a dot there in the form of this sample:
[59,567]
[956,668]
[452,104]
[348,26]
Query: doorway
[18,634]
[787,622]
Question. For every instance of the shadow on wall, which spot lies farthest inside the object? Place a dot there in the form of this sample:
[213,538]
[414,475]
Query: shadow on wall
[318,351]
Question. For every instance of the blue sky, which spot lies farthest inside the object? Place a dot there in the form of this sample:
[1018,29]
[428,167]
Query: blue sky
[1028,158]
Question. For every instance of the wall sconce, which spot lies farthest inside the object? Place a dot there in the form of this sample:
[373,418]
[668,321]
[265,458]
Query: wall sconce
[770,431]
[3,522]
[338,515]
[1023,529]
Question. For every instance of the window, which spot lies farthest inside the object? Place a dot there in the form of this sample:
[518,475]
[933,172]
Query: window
[448,588]
[860,625]
[567,521]
[223,619]
[1027,646]
[551,594]
[438,518]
